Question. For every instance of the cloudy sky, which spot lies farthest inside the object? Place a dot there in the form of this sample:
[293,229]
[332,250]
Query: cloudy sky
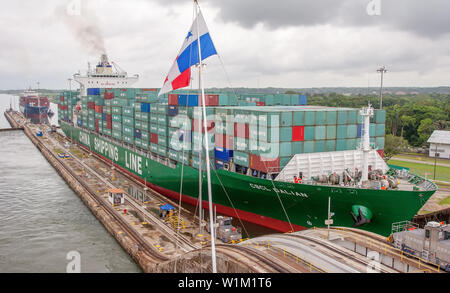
[285,43]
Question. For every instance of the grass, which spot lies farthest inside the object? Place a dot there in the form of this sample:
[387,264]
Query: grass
[421,158]
[445,201]
[442,173]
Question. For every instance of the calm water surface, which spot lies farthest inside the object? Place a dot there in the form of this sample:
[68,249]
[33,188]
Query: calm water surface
[42,219]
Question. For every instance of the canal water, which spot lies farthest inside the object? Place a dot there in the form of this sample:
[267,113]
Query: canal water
[42,219]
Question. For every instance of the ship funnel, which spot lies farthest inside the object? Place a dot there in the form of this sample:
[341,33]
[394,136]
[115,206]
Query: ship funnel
[104,59]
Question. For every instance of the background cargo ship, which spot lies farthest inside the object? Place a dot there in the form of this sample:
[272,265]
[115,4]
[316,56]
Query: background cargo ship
[34,107]
[156,140]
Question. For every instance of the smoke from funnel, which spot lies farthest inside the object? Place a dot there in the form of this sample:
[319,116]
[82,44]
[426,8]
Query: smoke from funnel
[84,28]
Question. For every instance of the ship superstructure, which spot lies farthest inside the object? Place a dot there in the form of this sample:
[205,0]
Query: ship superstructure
[34,106]
[105,74]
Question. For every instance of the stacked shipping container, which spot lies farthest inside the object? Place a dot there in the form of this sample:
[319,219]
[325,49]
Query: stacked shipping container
[262,139]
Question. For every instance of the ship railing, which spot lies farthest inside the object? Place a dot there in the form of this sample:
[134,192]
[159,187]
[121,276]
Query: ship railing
[403,226]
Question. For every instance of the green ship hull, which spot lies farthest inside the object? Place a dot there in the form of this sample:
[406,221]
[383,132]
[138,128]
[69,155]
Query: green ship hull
[278,205]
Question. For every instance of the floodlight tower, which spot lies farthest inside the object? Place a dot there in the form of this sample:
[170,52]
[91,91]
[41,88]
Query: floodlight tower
[382,70]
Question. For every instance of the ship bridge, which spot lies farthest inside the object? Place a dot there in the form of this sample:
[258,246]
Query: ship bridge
[105,75]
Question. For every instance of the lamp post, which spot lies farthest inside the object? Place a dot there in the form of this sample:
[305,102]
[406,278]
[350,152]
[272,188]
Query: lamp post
[435,159]
[382,70]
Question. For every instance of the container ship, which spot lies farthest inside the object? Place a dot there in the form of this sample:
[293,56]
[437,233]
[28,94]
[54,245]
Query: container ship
[275,161]
[34,107]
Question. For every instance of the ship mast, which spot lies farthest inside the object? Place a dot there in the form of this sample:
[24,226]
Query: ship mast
[366,113]
[39,103]
[208,173]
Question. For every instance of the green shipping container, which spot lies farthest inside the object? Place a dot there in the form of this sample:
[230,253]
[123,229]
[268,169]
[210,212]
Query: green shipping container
[379,130]
[353,116]
[320,117]
[308,147]
[319,146]
[297,147]
[341,145]
[341,131]
[240,158]
[330,145]
[128,121]
[299,118]
[342,117]
[379,143]
[331,131]
[116,118]
[351,143]
[320,132]
[285,149]
[351,130]
[309,133]
[310,117]
[380,116]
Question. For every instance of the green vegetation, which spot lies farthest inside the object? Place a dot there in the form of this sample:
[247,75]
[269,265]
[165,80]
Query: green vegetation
[445,201]
[394,145]
[413,117]
[419,157]
[442,173]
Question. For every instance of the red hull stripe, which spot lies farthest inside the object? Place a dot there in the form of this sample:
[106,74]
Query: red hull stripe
[268,222]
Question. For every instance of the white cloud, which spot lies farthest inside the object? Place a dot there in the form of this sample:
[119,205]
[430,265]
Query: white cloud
[144,37]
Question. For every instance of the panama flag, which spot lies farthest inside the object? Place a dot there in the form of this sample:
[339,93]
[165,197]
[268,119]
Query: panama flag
[180,73]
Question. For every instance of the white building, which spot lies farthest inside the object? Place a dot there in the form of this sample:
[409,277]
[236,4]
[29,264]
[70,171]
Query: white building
[440,143]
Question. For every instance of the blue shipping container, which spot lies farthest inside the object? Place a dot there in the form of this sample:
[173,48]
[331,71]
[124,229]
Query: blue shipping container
[137,133]
[359,130]
[93,92]
[172,111]
[302,99]
[192,100]
[223,154]
[145,107]
[182,100]
[104,117]
[219,164]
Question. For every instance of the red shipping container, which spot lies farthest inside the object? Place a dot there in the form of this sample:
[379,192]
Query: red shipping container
[109,124]
[210,100]
[264,164]
[173,99]
[241,130]
[209,124]
[61,98]
[91,105]
[98,109]
[109,118]
[260,103]
[154,138]
[108,96]
[149,90]
[298,133]
[224,141]
[96,125]
[381,153]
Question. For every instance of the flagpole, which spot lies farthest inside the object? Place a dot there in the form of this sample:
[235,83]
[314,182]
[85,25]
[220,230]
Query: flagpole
[200,198]
[211,222]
